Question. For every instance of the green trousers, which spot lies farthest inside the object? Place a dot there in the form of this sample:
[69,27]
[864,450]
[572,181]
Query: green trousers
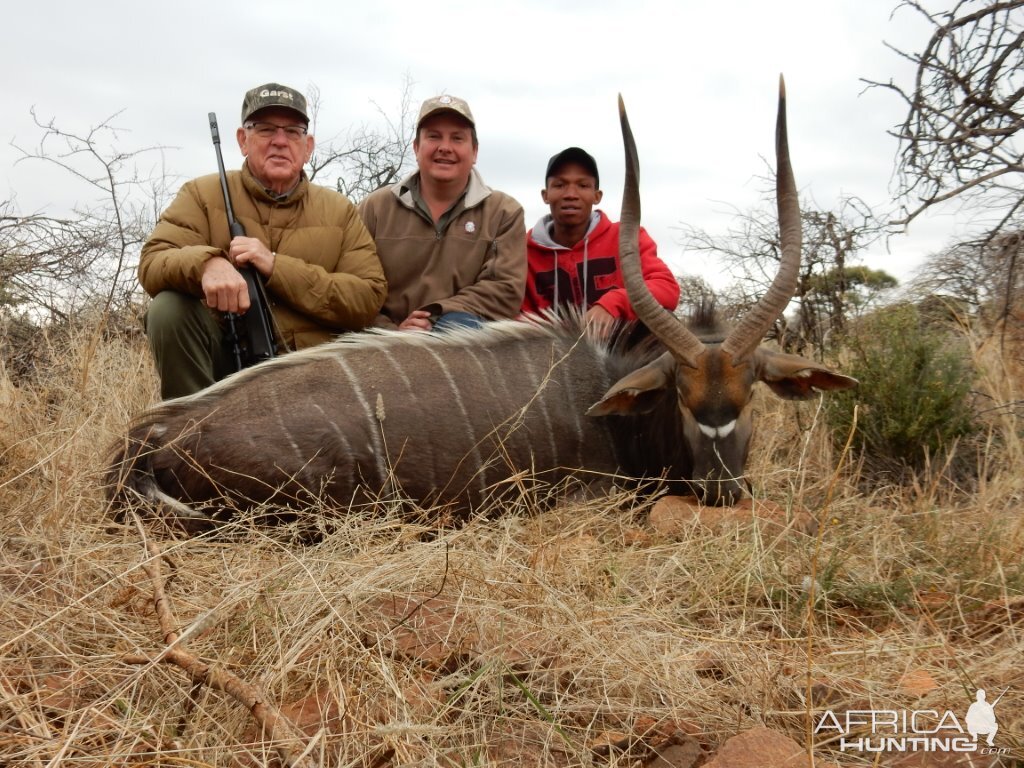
[187,344]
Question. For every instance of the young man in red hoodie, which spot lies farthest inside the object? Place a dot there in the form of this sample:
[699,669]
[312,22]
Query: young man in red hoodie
[573,252]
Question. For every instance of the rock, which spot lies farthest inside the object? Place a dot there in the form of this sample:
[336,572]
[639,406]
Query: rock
[916,683]
[710,666]
[662,743]
[440,635]
[673,515]
[324,708]
[686,754]
[763,748]
[526,745]
[429,630]
[571,553]
[635,537]
[825,691]
[607,742]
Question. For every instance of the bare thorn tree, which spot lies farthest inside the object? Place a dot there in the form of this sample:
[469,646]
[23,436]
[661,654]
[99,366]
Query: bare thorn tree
[694,293]
[86,259]
[368,157]
[829,288]
[981,277]
[964,110]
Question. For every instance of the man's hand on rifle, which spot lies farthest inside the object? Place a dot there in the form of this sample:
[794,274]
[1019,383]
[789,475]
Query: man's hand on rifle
[251,251]
[224,288]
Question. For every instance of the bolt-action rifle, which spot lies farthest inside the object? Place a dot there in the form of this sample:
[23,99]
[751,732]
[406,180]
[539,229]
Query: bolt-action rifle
[249,337]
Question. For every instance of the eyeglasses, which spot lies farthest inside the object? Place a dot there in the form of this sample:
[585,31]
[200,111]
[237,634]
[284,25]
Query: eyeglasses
[269,130]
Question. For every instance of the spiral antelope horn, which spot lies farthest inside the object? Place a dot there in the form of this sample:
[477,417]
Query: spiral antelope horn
[666,327]
[749,332]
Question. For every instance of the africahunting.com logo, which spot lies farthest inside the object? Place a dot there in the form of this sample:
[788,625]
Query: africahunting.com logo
[918,730]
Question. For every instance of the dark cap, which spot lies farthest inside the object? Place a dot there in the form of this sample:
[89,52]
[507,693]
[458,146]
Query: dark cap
[445,103]
[273,95]
[573,155]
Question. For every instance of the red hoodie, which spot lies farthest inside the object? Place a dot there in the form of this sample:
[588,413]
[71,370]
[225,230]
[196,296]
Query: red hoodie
[557,275]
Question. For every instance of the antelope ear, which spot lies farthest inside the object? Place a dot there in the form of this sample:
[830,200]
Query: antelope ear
[796,378]
[639,391]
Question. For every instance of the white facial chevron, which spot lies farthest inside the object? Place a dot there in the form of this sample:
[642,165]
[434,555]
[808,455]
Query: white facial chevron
[718,433]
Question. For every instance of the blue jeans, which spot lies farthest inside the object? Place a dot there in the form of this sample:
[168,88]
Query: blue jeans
[450,320]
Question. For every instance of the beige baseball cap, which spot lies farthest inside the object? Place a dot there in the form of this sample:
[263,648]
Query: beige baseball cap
[445,103]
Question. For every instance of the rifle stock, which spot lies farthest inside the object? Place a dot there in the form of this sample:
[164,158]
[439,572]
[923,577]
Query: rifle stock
[254,343]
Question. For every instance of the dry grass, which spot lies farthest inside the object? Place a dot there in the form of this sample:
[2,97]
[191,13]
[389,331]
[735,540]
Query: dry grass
[576,636]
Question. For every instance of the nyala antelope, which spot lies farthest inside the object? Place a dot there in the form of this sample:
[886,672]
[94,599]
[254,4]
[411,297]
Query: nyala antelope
[459,419]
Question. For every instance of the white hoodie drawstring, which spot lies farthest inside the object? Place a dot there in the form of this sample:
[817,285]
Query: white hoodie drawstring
[548,241]
[586,244]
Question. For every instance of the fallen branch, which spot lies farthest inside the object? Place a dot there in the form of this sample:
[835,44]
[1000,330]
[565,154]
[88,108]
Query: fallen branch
[290,743]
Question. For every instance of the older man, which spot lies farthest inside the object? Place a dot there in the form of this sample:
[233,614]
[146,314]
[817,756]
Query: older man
[317,259]
[453,249]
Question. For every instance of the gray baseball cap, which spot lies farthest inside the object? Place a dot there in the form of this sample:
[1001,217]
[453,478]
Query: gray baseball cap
[273,95]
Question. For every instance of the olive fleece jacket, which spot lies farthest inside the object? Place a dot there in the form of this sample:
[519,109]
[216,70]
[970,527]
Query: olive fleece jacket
[473,261]
[327,278]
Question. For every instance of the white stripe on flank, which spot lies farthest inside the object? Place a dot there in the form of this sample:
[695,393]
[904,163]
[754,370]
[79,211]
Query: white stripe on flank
[539,398]
[295,447]
[372,425]
[501,366]
[576,407]
[501,453]
[410,396]
[487,374]
[337,430]
[291,440]
[465,417]
[398,369]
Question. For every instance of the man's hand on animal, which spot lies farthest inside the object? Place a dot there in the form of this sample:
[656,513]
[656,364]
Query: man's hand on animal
[250,251]
[418,320]
[599,322]
[224,288]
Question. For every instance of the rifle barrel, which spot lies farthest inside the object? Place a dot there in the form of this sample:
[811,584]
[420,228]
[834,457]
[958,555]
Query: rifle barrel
[259,325]
[236,228]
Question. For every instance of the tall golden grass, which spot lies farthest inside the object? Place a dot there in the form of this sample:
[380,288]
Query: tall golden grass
[572,636]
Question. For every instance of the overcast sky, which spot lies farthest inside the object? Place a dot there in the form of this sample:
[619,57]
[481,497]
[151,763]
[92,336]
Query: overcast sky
[699,80]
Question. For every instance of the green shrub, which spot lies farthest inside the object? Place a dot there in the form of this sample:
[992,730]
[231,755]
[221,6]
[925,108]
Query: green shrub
[914,394]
